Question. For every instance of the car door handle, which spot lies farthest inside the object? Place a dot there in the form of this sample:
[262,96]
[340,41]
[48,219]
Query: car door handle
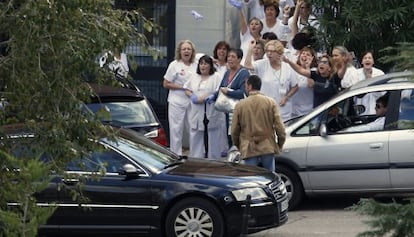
[70,181]
[376,146]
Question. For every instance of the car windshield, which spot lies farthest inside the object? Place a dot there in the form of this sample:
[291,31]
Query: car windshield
[126,113]
[149,156]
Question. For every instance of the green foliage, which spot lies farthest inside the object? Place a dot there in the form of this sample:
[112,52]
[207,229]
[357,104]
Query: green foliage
[387,219]
[402,56]
[47,50]
[28,177]
[366,25]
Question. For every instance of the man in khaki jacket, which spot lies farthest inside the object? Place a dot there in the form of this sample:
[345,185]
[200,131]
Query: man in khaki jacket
[256,123]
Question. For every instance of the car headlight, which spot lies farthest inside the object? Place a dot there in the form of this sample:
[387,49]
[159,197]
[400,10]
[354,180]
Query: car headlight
[255,193]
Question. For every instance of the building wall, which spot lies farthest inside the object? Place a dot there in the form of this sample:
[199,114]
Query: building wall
[220,22]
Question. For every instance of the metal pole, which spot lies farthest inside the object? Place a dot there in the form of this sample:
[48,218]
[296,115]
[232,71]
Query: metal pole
[246,215]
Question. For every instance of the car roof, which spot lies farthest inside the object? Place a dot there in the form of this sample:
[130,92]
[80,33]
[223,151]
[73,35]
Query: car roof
[389,78]
[106,92]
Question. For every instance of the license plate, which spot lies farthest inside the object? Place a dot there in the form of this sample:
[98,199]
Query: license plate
[284,205]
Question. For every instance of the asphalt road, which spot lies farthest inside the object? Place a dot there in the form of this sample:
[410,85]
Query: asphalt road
[320,217]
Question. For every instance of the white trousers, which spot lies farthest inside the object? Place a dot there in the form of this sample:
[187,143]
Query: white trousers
[197,143]
[178,121]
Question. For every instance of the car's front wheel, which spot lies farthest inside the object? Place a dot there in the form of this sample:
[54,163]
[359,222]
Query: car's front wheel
[293,185]
[194,217]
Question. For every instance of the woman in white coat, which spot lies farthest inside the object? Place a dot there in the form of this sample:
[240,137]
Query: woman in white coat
[198,89]
[178,73]
[279,81]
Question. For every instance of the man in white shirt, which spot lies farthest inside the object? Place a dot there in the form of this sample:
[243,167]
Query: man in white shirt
[376,125]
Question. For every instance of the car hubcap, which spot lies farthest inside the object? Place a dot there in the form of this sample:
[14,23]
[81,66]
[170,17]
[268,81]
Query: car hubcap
[288,184]
[193,222]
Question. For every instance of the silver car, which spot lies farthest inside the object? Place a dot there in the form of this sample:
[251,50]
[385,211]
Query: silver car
[321,157]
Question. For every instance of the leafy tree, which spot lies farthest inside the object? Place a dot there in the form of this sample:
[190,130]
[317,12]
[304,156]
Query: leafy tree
[48,48]
[387,219]
[365,25]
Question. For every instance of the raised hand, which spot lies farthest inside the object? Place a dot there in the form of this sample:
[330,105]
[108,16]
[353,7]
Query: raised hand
[236,3]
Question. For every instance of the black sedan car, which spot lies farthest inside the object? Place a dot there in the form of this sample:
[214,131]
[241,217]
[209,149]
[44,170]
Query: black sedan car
[127,107]
[146,190]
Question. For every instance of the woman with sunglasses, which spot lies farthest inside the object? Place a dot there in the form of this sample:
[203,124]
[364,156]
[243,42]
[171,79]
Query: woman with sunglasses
[322,81]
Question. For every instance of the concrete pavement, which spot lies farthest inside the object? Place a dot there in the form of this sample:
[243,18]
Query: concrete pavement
[315,223]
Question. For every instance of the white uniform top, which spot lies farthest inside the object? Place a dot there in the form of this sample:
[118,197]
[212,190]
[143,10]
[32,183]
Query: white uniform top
[276,83]
[370,99]
[351,77]
[302,100]
[179,73]
[376,125]
[257,10]
[278,28]
[204,88]
[375,72]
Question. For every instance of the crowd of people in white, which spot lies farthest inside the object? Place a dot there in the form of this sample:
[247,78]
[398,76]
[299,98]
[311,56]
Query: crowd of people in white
[275,45]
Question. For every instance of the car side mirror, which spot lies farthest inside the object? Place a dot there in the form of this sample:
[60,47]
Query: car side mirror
[323,132]
[130,171]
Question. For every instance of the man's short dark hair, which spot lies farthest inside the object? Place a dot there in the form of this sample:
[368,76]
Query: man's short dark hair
[383,100]
[255,82]
[269,36]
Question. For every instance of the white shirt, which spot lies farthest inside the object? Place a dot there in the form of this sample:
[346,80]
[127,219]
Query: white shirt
[179,73]
[302,100]
[204,88]
[279,29]
[369,100]
[257,10]
[276,83]
[376,125]
[351,77]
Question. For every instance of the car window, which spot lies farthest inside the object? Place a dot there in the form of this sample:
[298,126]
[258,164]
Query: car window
[350,115]
[124,113]
[107,160]
[310,128]
[150,157]
[406,111]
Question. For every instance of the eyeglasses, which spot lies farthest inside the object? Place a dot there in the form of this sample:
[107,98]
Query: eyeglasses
[324,62]
[272,51]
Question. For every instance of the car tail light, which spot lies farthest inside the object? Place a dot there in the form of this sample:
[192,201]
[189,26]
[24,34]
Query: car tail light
[158,136]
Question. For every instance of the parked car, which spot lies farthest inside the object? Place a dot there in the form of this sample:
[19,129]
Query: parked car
[128,108]
[320,157]
[147,190]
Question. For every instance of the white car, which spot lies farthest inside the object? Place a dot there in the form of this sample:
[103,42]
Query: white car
[320,157]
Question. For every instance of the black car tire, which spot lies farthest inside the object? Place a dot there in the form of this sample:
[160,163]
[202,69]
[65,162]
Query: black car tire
[293,185]
[197,217]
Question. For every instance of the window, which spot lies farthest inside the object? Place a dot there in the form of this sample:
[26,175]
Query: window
[348,116]
[310,128]
[406,111]
[107,160]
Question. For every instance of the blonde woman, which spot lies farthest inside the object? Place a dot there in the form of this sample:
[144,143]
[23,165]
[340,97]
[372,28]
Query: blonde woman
[279,81]
[178,73]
